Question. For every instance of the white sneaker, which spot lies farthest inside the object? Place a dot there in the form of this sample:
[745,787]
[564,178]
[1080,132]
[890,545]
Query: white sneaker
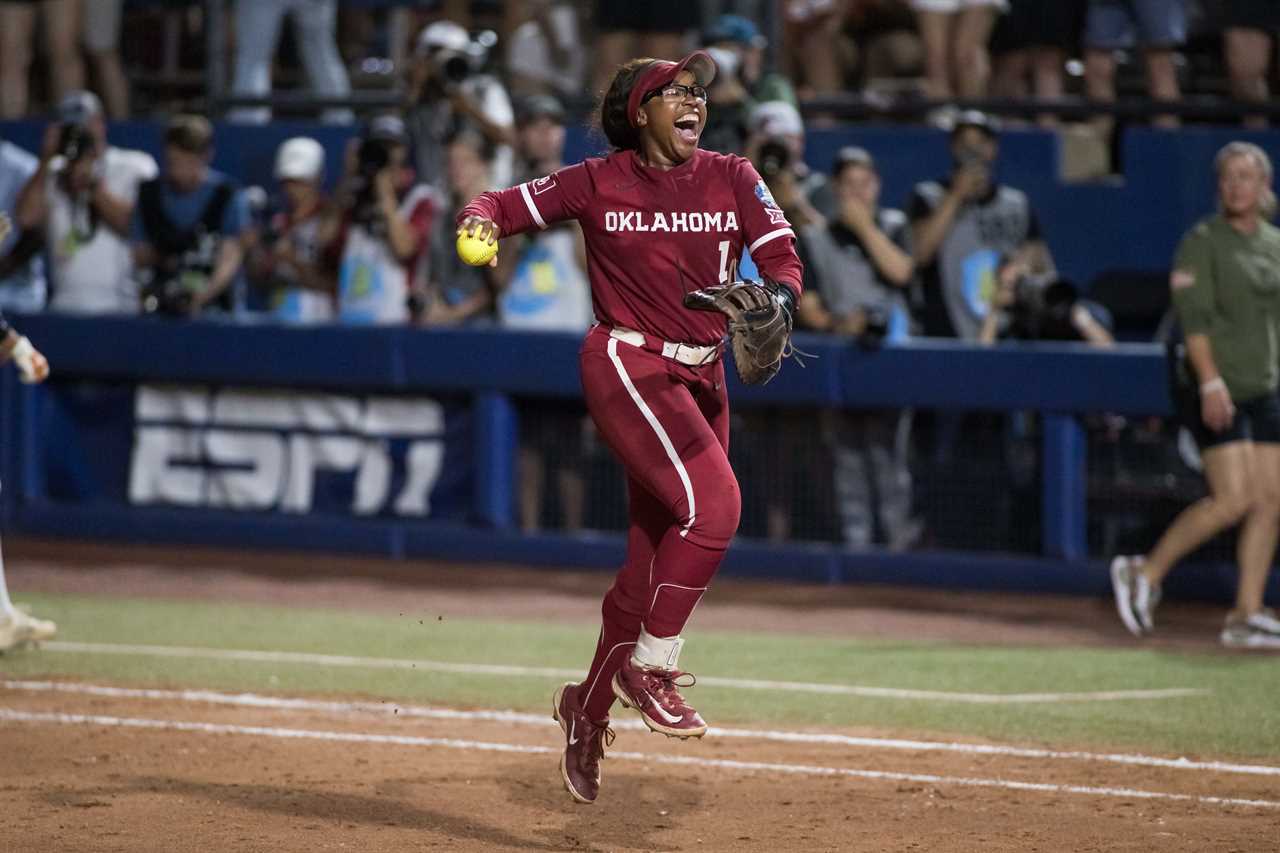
[1243,635]
[22,628]
[1264,620]
[1122,587]
[1145,596]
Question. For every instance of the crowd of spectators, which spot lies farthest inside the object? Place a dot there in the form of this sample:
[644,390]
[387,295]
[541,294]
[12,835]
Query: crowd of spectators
[107,230]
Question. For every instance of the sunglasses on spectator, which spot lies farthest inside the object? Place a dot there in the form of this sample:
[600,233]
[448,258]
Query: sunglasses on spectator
[677,92]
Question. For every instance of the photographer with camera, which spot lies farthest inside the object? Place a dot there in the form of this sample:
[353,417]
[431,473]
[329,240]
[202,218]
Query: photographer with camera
[287,263]
[775,147]
[380,226]
[81,199]
[448,92]
[1043,307]
[961,227]
[857,270]
[190,227]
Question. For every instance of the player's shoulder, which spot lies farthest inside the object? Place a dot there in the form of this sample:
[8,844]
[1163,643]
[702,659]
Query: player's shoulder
[731,165]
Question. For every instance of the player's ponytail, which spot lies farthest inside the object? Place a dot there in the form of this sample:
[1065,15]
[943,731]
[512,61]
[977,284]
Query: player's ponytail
[614,120]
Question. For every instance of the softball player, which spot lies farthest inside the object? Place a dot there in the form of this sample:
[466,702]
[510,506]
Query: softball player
[660,217]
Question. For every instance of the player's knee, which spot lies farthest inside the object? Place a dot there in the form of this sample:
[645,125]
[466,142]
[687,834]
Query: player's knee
[716,520]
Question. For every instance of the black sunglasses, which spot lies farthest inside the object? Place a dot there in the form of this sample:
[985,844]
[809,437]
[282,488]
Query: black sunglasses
[676,91]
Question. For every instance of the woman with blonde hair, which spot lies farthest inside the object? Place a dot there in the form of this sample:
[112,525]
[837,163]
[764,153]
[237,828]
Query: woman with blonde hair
[1226,290]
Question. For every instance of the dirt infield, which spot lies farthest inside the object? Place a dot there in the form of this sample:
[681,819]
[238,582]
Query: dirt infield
[82,772]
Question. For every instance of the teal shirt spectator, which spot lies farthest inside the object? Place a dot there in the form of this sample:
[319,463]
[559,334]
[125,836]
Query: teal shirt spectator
[183,209]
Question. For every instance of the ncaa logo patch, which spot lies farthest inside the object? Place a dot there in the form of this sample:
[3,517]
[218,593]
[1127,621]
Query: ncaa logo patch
[766,197]
[542,184]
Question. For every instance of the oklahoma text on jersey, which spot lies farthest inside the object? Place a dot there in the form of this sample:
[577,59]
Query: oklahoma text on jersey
[678,220]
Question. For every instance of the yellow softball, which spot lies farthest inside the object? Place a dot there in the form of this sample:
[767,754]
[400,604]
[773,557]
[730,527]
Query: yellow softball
[475,251]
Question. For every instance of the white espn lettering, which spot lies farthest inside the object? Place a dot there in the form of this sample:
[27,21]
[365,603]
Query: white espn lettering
[211,454]
[677,221]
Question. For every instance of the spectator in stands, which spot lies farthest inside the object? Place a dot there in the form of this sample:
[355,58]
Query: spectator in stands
[546,53]
[462,294]
[1158,27]
[962,226]
[102,44]
[1041,308]
[955,34]
[81,199]
[885,43]
[625,29]
[60,23]
[1226,289]
[190,227]
[22,276]
[1031,45]
[813,45]
[380,226]
[1248,40]
[741,37]
[858,268]
[775,146]
[288,264]
[548,291]
[449,92]
[257,34]
[741,83]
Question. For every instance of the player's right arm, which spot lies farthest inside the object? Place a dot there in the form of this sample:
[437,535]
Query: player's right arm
[534,204]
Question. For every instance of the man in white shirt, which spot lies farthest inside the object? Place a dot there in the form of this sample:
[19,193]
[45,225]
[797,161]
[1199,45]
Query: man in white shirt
[82,197]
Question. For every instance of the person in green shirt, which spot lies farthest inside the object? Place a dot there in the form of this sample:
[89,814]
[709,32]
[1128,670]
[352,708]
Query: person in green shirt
[1226,289]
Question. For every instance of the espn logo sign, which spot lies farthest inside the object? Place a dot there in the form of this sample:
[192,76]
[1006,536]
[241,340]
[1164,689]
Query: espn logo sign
[263,450]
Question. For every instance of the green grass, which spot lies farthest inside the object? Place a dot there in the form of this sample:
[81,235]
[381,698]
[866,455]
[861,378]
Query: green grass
[1239,717]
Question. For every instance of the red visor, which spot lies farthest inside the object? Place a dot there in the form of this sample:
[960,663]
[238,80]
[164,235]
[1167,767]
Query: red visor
[699,63]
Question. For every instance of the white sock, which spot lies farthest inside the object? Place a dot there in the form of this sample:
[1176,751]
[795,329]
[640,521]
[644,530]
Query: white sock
[6,606]
[656,652]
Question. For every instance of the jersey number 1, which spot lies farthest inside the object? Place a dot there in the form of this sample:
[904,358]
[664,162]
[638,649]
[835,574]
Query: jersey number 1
[724,261]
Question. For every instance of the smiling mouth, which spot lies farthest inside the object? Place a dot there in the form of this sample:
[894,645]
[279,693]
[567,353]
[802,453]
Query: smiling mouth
[687,128]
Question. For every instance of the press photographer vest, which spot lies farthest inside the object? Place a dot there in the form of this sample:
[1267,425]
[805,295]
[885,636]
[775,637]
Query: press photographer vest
[185,256]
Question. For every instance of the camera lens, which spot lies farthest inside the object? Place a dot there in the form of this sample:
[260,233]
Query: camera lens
[455,69]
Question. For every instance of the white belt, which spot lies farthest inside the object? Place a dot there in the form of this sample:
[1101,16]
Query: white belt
[683,353]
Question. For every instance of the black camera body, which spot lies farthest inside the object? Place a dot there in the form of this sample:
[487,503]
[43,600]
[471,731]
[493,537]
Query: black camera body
[1042,308]
[774,158]
[75,141]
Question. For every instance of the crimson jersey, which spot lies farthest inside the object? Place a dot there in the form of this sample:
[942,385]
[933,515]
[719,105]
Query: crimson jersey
[653,234]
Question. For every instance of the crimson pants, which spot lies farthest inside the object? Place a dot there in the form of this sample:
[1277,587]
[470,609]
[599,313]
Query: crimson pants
[668,423]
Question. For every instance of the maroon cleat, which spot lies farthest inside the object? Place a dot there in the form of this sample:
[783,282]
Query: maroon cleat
[655,694]
[585,741]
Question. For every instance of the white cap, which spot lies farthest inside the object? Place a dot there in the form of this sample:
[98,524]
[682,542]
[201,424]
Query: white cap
[300,158]
[443,35]
[776,118]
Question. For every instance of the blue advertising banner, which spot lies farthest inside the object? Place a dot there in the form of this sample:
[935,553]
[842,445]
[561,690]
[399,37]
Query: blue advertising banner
[255,450]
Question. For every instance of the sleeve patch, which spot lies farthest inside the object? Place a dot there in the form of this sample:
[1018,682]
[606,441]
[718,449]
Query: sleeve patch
[1181,280]
[543,184]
